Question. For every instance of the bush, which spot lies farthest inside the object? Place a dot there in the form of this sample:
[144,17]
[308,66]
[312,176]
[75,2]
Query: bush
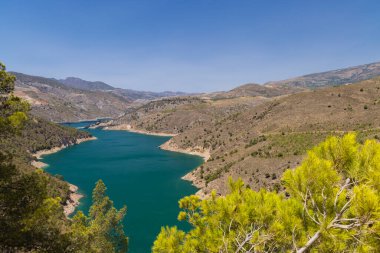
[331,204]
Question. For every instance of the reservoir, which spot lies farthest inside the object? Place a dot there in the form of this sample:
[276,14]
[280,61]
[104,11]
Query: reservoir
[136,172]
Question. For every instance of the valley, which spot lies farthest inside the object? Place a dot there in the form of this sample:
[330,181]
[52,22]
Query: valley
[189,126]
[253,132]
[74,99]
[256,138]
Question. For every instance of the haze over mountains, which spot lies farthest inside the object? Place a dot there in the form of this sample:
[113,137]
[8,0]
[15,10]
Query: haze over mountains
[331,78]
[78,83]
[303,83]
[81,84]
[74,99]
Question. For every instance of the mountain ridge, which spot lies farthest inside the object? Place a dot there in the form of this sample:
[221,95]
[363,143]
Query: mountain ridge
[256,138]
[331,77]
[77,99]
[79,83]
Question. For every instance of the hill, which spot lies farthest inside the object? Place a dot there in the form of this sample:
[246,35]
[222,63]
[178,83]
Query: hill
[254,90]
[78,83]
[74,99]
[178,114]
[56,102]
[39,134]
[128,94]
[331,78]
[257,138]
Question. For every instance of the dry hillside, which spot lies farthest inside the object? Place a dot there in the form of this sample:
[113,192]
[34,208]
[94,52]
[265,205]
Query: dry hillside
[331,78]
[54,101]
[180,114]
[258,138]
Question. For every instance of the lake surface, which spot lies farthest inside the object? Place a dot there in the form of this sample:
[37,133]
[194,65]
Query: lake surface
[136,172]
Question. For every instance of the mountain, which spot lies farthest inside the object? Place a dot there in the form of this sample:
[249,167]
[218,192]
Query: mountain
[179,114]
[128,94]
[75,99]
[145,95]
[81,84]
[331,78]
[256,138]
[254,90]
[57,102]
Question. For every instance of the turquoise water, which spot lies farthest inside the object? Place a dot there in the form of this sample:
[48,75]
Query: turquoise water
[136,172]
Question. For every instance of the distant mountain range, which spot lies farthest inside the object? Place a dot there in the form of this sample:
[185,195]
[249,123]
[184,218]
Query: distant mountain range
[302,83]
[74,99]
[81,84]
[254,90]
[78,83]
[331,78]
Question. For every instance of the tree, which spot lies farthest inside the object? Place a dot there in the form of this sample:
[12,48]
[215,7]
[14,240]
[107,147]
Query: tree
[331,204]
[102,230]
[6,81]
[31,213]
[29,218]
[12,109]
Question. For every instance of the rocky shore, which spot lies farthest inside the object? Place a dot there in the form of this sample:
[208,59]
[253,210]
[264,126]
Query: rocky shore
[169,146]
[129,128]
[199,151]
[73,200]
[74,196]
[40,153]
[200,184]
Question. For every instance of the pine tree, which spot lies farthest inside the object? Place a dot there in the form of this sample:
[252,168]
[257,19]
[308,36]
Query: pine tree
[12,109]
[31,219]
[331,204]
[102,230]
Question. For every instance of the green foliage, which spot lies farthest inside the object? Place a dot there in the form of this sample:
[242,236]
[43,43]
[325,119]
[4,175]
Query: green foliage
[12,109]
[254,141]
[6,81]
[29,217]
[31,211]
[332,204]
[102,230]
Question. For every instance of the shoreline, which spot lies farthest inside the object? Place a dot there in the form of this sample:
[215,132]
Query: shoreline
[81,121]
[73,201]
[199,184]
[170,146]
[198,151]
[43,152]
[74,197]
[127,127]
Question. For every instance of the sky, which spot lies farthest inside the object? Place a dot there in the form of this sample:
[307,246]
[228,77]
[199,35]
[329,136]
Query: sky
[186,45]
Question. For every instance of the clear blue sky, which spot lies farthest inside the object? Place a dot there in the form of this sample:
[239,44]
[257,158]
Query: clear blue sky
[186,45]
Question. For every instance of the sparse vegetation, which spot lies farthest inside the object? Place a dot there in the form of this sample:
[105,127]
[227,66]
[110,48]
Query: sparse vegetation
[254,133]
[331,204]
